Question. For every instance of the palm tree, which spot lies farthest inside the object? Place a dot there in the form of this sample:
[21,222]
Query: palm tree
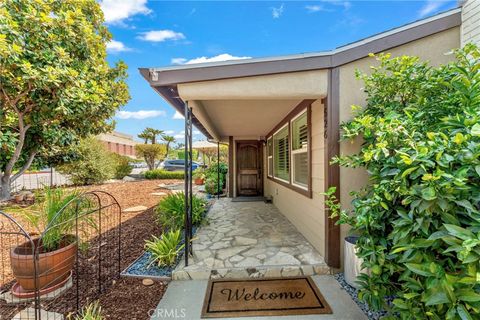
[144,135]
[153,134]
[150,134]
[168,140]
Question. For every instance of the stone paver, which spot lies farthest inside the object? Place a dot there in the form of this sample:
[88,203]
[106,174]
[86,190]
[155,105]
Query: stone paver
[135,209]
[185,299]
[250,239]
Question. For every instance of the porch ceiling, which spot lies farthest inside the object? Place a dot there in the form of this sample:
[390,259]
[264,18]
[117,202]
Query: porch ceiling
[252,106]
[242,118]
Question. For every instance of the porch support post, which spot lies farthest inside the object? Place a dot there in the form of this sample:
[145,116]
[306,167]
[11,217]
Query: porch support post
[230,166]
[188,182]
[332,172]
[218,170]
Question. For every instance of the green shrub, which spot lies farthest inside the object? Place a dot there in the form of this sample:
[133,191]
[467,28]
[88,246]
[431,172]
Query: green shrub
[170,212]
[211,178]
[91,312]
[418,221]
[162,174]
[122,166]
[93,165]
[164,250]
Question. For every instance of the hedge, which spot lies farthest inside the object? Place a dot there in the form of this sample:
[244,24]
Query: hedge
[162,174]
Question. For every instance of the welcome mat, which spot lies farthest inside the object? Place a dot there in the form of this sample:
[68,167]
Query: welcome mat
[263,297]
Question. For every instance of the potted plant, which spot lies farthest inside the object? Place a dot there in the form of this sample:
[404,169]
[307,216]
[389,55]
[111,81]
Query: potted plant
[199,176]
[56,246]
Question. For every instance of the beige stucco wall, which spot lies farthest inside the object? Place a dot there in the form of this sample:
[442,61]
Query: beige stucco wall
[471,22]
[306,214]
[432,48]
[296,85]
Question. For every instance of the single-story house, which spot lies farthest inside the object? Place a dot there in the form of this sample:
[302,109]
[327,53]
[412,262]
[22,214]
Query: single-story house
[280,116]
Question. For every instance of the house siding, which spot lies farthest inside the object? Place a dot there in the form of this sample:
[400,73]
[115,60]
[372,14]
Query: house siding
[306,214]
[471,22]
[432,48]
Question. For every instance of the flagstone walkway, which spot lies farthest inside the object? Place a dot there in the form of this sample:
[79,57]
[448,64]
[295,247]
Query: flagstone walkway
[249,239]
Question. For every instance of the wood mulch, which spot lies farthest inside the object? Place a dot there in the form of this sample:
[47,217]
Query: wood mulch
[126,298]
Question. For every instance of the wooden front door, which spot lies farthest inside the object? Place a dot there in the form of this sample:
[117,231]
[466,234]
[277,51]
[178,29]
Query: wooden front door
[249,168]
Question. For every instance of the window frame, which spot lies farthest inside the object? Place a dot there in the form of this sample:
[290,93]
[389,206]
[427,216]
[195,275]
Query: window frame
[286,125]
[268,158]
[301,150]
[305,105]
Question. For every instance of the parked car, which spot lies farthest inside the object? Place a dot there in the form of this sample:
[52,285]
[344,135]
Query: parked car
[176,165]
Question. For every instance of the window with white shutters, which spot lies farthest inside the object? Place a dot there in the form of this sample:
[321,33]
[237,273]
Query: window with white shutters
[300,164]
[281,159]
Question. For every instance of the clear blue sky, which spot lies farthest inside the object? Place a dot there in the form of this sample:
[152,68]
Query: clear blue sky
[161,33]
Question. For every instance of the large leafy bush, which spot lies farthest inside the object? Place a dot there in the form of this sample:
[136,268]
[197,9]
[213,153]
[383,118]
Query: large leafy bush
[418,220]
[122,166]
[94,163]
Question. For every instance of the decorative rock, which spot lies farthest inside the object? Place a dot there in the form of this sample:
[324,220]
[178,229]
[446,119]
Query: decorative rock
[228,252]
[282,259]
[199,274]
[135,209]
[307,270]
[158,193]
[180,275]
[291,271]
[128,179]
[273,273]
[147,282]
[248,262]
[237,273]
[220,245]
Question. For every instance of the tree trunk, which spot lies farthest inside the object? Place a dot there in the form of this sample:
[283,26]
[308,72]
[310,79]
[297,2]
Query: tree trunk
[5,189]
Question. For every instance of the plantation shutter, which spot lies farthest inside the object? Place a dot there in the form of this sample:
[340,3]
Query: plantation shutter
[281,154]
[300,163]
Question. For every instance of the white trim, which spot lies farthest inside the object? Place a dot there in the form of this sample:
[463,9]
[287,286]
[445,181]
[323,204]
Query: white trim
[303,149]
[287,125]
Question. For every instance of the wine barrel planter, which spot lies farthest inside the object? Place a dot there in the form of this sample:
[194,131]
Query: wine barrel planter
[53,267]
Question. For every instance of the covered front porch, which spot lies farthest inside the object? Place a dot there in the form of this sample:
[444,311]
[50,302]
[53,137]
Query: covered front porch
[249,239]
[281,130]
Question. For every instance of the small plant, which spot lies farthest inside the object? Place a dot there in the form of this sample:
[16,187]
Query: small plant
[93,311]
[199,173]
[47,214]
[164,250]
[162,174]
[170,211]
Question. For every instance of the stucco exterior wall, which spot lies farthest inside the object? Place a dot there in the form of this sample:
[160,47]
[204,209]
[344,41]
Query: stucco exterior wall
[306,214]
[432,48]
[471,22]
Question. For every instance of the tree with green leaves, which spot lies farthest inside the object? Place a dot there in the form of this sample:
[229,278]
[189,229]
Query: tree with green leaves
[151,153]
[168,140]
[56,85]
[418,220]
